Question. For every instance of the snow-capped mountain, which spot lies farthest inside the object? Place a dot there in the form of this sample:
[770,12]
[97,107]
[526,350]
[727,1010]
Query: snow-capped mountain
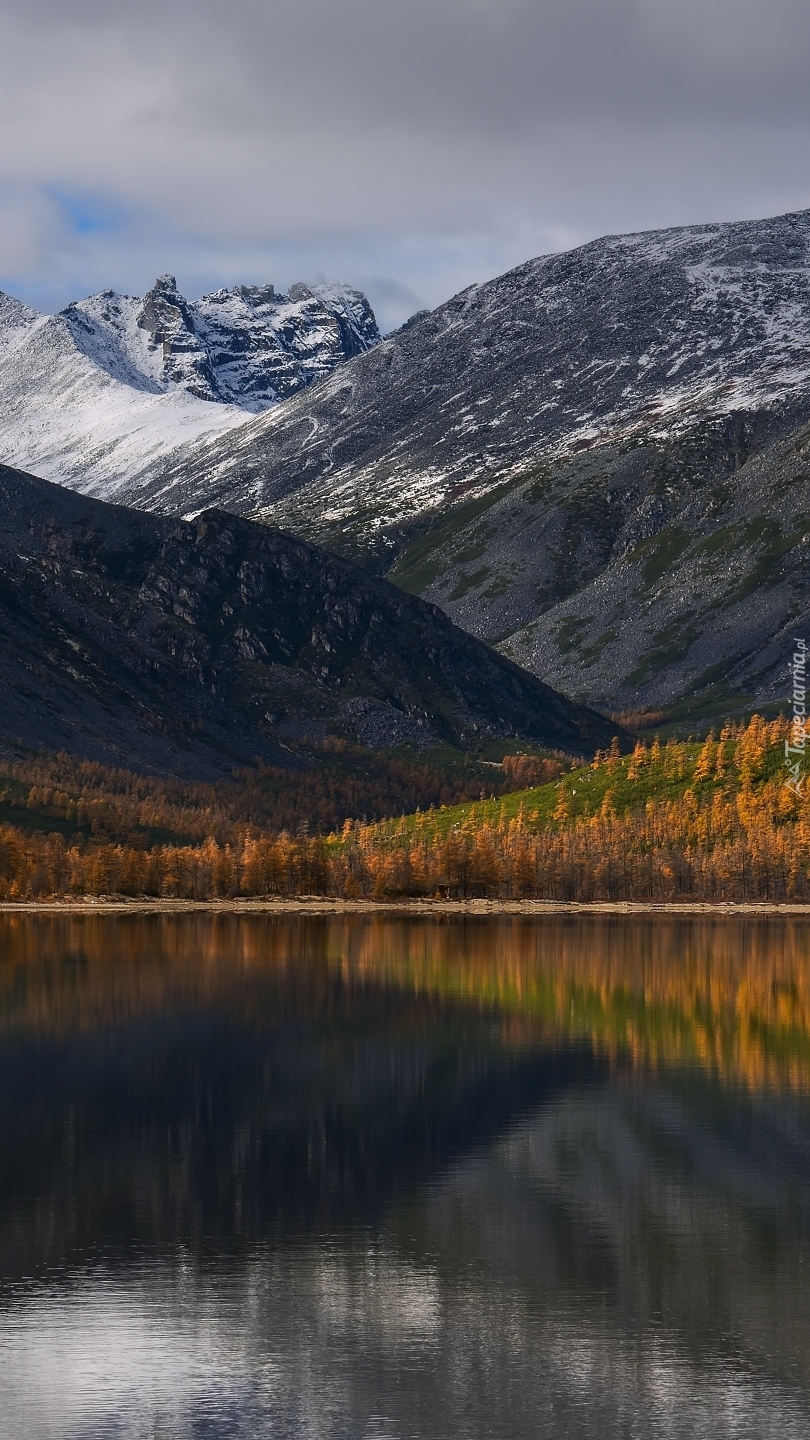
[627,336]
[246,346]
[597,463]
[16,320]
[113,384]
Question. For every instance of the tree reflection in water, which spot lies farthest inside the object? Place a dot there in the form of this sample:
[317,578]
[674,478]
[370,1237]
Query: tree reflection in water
[356,1175]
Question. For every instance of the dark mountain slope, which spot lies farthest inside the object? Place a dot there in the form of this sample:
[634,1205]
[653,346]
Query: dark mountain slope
[190,646]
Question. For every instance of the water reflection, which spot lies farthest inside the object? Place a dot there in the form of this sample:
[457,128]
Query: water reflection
[368,1176]
[731,995]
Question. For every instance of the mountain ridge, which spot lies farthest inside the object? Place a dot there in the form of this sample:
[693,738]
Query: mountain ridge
[541,456]
[545,456]
[189,647]
[112,384]
[628,335]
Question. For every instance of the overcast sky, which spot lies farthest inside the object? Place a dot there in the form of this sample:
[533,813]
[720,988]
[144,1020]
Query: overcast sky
[408,146]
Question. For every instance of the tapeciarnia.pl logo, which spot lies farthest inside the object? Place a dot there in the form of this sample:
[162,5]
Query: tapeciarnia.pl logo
[796,743]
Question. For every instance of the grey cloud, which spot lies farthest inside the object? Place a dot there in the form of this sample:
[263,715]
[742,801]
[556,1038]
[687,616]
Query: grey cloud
[485,62]
[435,141]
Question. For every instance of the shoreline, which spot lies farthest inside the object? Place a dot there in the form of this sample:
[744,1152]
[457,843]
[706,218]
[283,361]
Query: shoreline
[317,905]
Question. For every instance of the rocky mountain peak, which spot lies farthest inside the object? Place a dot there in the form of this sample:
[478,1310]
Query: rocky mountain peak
[256,294]
[248,345]
[164,308]
[168,319]
[16,319]
[118,380]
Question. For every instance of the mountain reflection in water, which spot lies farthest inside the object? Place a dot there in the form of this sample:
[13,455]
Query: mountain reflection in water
[356,1176]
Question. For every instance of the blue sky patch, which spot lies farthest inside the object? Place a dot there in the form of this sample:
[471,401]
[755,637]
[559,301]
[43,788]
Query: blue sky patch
[89,214]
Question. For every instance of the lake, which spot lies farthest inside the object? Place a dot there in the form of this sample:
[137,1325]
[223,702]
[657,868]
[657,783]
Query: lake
[367,1176]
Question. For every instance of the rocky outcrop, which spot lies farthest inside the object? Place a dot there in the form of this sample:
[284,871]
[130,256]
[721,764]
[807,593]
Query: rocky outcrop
[191,646]
[113,385]
[168,321]
[249,346]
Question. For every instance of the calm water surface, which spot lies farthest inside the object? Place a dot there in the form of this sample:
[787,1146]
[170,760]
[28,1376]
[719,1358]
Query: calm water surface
[376,1177]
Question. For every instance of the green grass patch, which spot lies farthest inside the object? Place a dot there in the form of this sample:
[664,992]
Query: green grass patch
[568,636]
[721,542]
[472,552]
[782,487]
[660,552]
[668,646]
[767,570]
[595,650]
[584,790]
[432,552]
[468,582]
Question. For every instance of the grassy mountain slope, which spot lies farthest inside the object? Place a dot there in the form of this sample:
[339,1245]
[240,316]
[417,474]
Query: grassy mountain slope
[714,822]
[639,575]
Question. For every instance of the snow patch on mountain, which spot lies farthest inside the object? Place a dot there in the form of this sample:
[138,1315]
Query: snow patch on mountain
[114,384]
[628,336]
[16,322]
[73,407]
